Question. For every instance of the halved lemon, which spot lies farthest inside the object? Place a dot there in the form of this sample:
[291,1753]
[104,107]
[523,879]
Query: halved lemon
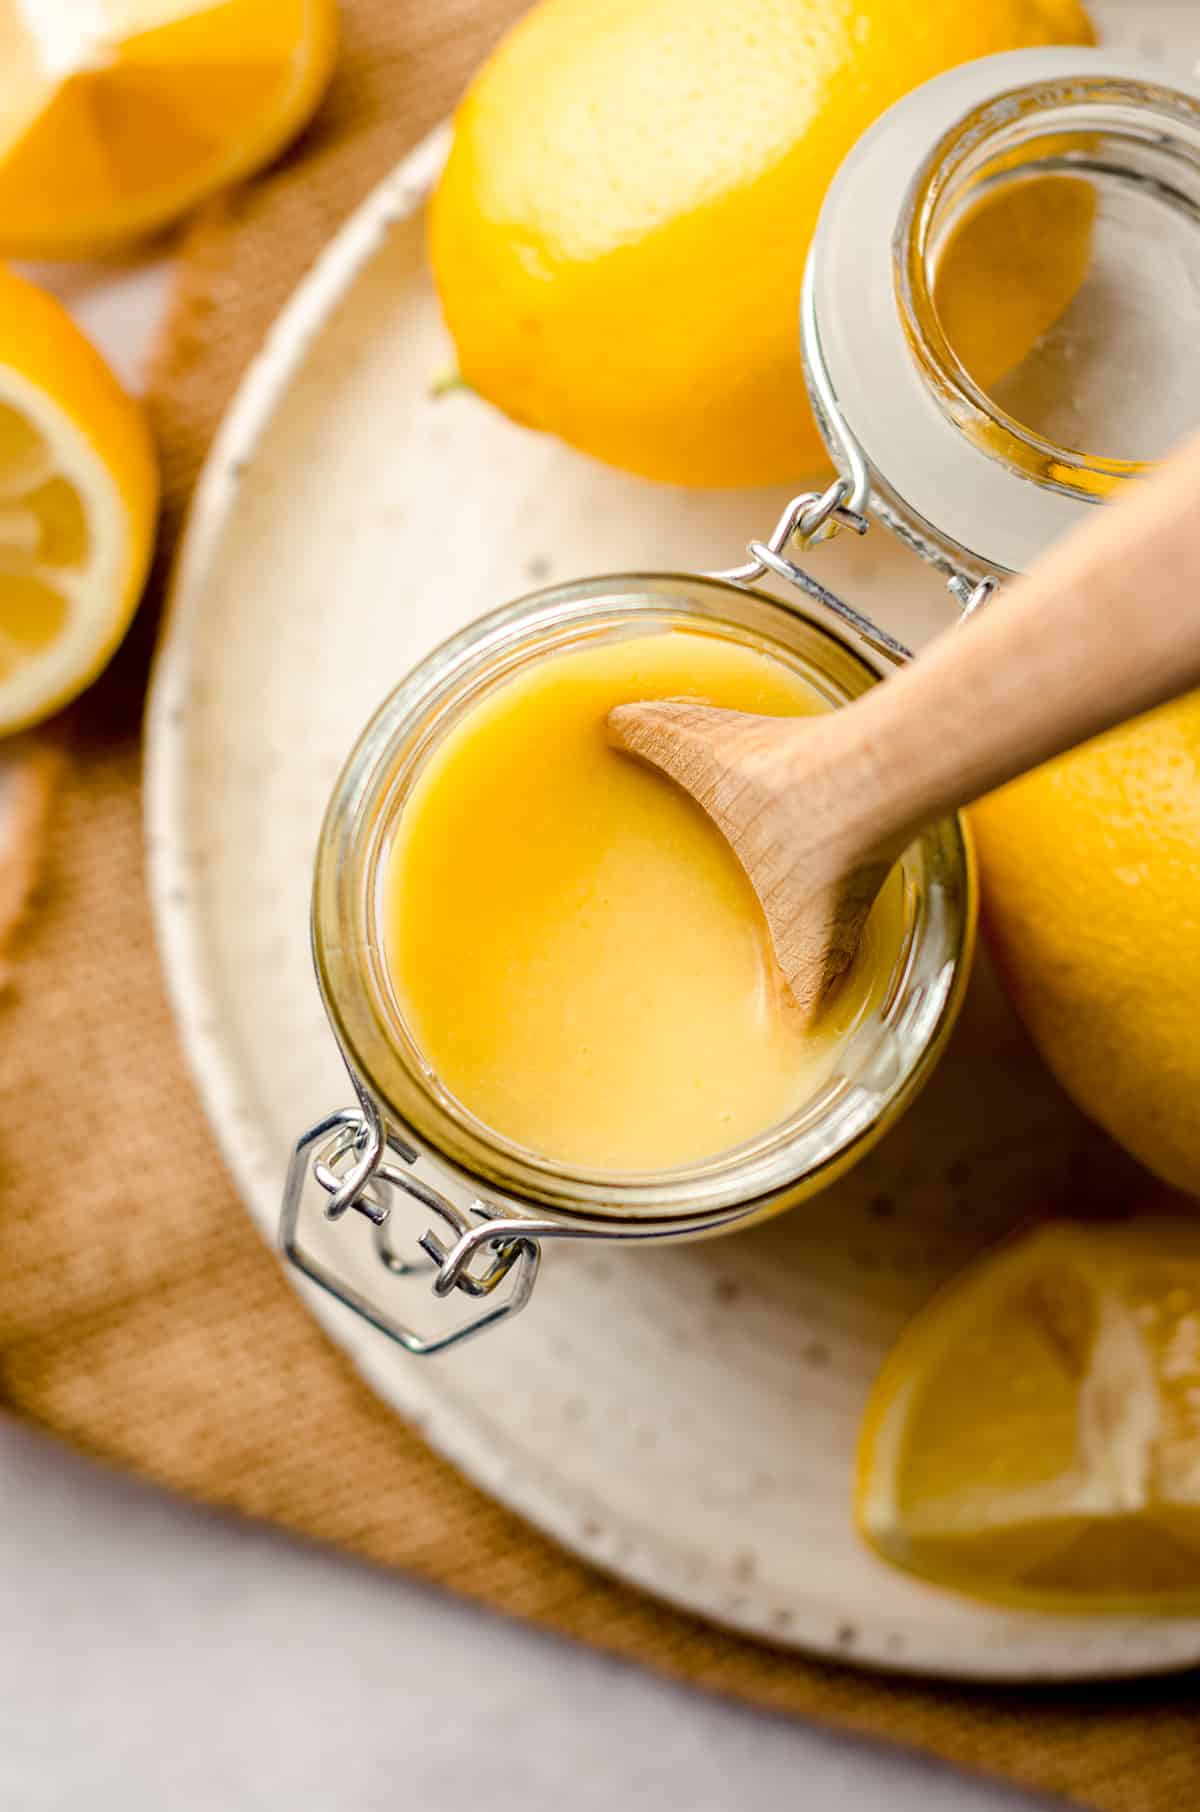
[78,503]
[1034,1437]
[117,115]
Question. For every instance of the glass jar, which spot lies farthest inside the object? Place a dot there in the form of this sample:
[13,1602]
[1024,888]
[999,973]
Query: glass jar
[980,481]
[978,471]
[495,1196]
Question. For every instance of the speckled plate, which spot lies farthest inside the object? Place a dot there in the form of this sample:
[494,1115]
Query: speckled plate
[685,1418]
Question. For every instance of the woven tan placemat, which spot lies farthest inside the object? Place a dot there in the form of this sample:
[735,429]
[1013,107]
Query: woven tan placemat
[141,1318]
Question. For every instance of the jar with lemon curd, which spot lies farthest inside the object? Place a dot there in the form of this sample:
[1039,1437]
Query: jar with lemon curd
[492,879]
[546,974]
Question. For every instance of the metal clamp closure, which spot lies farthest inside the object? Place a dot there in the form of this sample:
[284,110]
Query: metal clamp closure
[337,1148]
[350,1159]
[813,517]
[809,518]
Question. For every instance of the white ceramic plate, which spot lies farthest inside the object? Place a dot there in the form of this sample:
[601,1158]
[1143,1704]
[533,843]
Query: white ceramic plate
[686,1418]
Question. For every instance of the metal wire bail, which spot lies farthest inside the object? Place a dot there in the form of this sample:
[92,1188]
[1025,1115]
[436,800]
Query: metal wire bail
[971,597]
[352,1162]
[809,518]
[511,1248]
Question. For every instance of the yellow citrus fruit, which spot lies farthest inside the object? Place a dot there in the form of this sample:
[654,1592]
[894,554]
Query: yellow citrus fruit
[1035,1434]
[78,502]
[117,115]
[620,233]
[1090,872]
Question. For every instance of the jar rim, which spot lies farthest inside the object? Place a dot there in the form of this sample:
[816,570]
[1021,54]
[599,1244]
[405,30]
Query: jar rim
[923,1002]
[964,401]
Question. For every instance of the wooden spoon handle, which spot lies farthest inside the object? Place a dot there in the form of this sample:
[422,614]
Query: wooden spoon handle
[1102,629]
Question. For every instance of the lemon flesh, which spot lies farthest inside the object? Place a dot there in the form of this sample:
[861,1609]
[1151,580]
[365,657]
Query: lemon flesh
[117,115]
[620,232]
[78,501]
[1034,1437]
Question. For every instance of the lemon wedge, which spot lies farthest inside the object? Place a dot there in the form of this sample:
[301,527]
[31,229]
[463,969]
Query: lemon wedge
[1034,1437]
[117,115]
[78,502]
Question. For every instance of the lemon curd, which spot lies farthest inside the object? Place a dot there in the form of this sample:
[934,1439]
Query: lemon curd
[576,950]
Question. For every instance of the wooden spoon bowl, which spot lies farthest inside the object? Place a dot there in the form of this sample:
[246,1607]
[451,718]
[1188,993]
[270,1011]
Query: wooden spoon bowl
[1106,626]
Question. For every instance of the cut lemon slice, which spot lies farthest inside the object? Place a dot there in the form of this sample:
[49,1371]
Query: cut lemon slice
[1034,1436]
[78,500]
[117,115]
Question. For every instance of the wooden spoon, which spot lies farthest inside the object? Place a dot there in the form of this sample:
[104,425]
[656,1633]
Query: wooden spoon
[818,809]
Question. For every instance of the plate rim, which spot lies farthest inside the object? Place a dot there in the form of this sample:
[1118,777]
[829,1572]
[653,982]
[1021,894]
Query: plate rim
[1081,1653]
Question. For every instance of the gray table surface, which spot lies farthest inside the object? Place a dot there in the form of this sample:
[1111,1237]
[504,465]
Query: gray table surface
[155,1657]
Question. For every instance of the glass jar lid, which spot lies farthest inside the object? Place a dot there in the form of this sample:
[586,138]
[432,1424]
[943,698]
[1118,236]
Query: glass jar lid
[1080,173]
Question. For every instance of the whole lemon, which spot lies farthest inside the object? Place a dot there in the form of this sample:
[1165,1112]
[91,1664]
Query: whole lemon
[1091,888]
[620,232]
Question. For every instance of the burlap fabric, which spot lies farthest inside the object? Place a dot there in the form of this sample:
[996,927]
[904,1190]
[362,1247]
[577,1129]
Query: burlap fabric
[140,1317]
